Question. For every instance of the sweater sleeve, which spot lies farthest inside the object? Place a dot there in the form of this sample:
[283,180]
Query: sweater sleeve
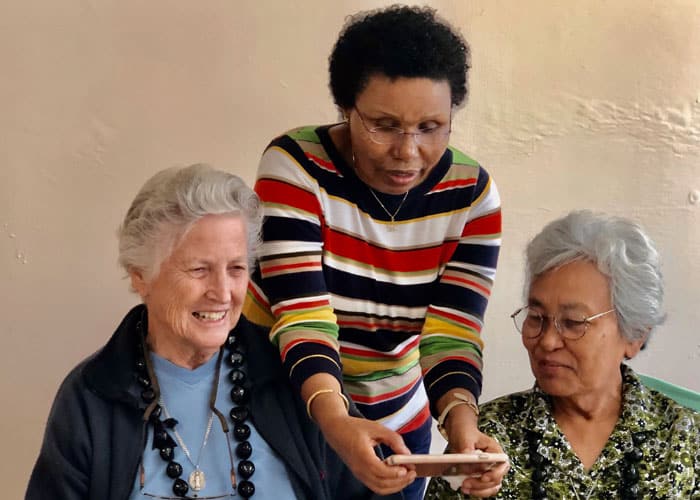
[451,344]
[63,467]
[288,291]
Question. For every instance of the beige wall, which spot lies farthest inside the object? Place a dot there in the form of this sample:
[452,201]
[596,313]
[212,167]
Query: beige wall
[583,103]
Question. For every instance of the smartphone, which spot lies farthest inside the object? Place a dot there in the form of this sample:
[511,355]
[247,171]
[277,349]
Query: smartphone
[449,464]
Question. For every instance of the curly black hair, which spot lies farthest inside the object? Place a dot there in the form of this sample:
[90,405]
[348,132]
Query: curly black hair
[397,41]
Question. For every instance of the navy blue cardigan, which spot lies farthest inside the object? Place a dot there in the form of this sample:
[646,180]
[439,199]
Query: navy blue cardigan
[96,433]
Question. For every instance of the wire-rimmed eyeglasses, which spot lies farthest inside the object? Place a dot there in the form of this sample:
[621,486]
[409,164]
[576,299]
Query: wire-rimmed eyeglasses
[531,323]
[394,135]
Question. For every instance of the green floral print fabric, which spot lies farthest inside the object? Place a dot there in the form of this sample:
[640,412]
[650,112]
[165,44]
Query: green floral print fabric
[667,434]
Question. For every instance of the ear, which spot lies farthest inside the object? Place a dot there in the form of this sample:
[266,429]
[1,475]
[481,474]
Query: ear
[139,283]
[633,347]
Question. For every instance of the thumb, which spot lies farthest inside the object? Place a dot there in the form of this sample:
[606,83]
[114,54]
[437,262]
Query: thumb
[392,439]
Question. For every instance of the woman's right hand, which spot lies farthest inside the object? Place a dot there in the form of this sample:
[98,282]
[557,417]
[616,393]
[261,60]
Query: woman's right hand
[354,440]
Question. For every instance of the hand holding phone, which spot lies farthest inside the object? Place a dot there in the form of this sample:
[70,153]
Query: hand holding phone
[449,464]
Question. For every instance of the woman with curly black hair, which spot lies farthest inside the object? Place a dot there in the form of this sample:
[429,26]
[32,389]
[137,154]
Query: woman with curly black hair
[380,250]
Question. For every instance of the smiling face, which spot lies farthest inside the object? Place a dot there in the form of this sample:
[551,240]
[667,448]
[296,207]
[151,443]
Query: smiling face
[197,296]
[411,104]
[588,366]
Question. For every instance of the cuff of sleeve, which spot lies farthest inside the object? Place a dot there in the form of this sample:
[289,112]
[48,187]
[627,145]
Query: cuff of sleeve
[451,375]
[303,361]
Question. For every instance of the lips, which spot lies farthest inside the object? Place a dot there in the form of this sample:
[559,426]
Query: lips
[209,315]
[550,365]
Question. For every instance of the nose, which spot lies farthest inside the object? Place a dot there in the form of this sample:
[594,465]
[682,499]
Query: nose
[219,287]
[407,146]
[550,338]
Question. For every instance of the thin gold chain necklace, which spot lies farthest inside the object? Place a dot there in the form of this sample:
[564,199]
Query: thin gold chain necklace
[392,217]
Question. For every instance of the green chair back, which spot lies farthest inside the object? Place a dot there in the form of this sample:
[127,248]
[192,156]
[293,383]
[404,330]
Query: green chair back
[681,395]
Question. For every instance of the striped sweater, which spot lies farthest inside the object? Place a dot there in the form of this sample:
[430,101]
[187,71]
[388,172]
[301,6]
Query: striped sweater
[387,307]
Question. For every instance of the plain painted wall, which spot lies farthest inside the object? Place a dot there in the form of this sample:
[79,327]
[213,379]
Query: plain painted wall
[584,103]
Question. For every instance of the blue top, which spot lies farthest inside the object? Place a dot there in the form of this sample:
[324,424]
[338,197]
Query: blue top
[186,393]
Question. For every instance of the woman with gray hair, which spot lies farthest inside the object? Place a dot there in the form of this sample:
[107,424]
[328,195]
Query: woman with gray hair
[589,428]
[179,403]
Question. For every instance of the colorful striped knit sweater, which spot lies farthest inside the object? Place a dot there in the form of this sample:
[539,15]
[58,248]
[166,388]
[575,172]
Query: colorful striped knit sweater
[380,305]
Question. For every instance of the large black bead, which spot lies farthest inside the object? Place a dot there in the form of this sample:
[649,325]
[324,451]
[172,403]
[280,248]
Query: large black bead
[538,491]
[634,455]
[170,423]
[239,394]
[143,381]
[160,438]
[246,489]
[539,474]
[244,450]
[239,414]
[173,470]
[235,358]
[633,490]
[237,376]
[141,365]
[638,438]
[155,414]
[180,487]
[241,432]
[167,454]
[630,473]
[246,468]
[232,340]
[148,395]
[536,459]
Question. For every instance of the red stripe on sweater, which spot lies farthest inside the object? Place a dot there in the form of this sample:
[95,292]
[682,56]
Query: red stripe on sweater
[488,224]
[391,260]
[272,191]
[416,422]
[470,283]
[325,164]
[457,183]
[384,396]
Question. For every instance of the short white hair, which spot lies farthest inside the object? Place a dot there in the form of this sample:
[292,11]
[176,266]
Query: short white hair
[621,250]
[171,201]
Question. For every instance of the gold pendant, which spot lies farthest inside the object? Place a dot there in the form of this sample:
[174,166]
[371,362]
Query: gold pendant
[197,480]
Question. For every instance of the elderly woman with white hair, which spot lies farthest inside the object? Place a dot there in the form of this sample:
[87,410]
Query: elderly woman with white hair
[178,403]
[589,428]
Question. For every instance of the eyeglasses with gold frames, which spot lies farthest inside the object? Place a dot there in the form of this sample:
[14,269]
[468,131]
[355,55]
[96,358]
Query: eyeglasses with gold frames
[531,323]
[394,135]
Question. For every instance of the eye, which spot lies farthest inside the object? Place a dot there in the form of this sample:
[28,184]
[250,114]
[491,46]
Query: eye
[533,318]
[574,325]
[429,127]
[197,271]
[385,123]
[238,269]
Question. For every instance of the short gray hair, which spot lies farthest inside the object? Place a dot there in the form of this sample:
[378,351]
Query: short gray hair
[169,204]
[621,250]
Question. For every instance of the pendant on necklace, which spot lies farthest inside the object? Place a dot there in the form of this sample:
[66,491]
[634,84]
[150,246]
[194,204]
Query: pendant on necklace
[197,480]
[390,227]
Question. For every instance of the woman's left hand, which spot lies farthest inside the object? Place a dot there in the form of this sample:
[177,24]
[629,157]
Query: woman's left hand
[465,437]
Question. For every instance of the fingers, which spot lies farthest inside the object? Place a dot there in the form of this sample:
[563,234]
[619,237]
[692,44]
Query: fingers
[354,440]
[392,439]
[378,475]
[487,484]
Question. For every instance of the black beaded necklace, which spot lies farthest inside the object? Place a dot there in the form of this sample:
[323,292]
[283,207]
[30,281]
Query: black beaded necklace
[629,489]
[240,395]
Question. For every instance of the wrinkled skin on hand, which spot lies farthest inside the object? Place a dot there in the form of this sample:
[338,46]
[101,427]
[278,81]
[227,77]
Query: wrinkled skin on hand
[464,437]
[354,439]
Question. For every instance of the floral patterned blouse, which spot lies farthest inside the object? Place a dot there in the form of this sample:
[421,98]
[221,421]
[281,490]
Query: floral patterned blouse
[666,434]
